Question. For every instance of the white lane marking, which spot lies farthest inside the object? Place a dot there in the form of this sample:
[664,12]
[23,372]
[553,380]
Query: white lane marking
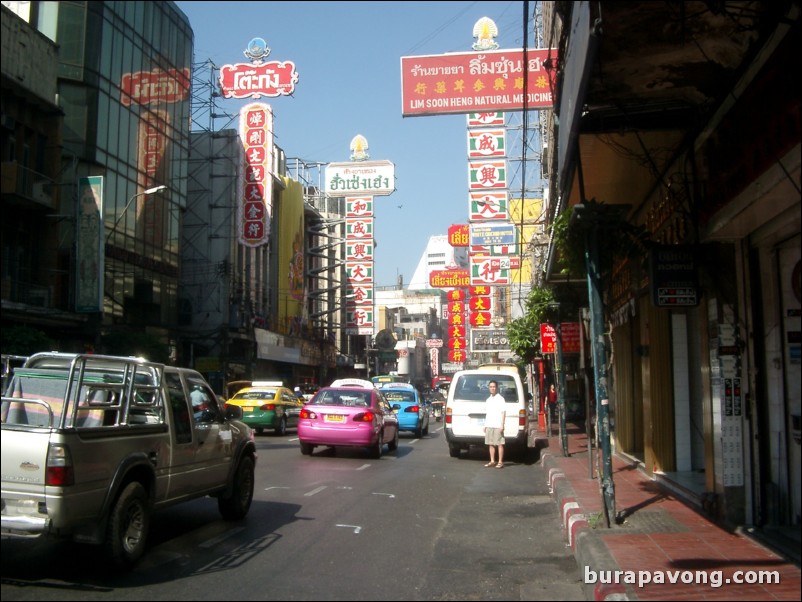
[275,487]
[390,495]
[216,540]
[354,527]
[314,491]
[363,467]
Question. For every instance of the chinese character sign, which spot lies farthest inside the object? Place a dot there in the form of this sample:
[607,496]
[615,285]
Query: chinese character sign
[256,206]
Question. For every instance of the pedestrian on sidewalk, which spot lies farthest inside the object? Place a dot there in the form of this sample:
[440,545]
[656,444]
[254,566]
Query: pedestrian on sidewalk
[552,406]
[495,415]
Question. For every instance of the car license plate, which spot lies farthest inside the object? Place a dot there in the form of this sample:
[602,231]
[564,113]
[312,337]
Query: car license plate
[334,418]
[478,421]
[247,409]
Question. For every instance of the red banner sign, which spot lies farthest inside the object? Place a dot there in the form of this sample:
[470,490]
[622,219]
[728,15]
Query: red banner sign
[449,278]
[480,318]
[157,86]
[479,304]
[569,337]
[459,235]
[548,339]
[457,355]
[457,343]
[476,82]
[246,80]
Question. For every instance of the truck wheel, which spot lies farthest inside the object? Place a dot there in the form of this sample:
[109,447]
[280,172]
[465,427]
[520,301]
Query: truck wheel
[128,528]
[236,505]
[453,451]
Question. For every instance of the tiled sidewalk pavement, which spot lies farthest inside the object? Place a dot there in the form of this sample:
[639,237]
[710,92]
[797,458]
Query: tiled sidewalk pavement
[659,533]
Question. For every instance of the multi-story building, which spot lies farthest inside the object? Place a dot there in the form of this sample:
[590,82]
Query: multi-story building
[113,242]
[96,143]
[677,121]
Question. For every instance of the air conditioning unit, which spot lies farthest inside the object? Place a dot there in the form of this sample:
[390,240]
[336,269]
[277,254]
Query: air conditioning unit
[40,191]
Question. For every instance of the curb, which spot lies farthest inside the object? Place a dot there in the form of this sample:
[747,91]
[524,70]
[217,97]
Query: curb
[590,552]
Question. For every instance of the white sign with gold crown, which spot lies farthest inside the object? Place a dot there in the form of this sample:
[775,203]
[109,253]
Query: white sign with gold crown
[360,176]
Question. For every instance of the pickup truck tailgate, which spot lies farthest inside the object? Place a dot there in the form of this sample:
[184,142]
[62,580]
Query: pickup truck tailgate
[24,464]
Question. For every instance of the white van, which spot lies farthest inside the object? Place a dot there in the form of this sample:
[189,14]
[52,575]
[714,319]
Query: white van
[465,408]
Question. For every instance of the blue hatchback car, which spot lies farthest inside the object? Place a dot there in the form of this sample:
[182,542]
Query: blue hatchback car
[408,406]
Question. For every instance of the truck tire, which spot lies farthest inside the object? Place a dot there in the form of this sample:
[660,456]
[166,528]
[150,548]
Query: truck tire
[453,451]
[236,505]
[128,528]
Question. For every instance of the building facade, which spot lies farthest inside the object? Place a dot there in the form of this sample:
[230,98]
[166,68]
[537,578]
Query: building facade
[680,127]
[121,88]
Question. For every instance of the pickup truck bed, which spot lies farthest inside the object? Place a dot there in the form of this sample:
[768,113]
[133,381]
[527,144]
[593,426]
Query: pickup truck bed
[92,445]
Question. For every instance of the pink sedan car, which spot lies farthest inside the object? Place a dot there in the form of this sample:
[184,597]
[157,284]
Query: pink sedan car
[351,412]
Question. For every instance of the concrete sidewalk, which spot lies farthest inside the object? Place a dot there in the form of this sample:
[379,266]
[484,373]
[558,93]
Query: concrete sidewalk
[660,536]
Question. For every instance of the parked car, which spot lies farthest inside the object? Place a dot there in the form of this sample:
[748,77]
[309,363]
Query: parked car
[268,405]
[465,408]
[408,405]
[351,412]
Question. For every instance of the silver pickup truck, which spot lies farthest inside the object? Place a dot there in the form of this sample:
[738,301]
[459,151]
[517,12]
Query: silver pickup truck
[92,445]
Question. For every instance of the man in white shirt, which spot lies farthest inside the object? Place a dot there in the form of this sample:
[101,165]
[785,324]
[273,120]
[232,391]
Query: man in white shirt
[495,415]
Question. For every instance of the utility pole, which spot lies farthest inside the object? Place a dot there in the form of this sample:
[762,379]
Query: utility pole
[592,218]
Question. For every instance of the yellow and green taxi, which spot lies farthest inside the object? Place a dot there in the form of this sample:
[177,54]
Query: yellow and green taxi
[268,405]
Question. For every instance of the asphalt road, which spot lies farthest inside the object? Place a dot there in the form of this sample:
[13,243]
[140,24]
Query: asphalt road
[414,525]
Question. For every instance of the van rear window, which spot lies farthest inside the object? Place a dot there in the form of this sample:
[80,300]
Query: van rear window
[474,387]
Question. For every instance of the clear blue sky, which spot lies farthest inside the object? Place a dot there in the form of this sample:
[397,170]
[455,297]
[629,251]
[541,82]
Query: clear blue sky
[347,55]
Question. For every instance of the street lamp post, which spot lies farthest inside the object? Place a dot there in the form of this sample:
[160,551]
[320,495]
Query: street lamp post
[146,192]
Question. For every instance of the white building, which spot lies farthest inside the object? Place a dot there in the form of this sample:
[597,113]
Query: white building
[438,255]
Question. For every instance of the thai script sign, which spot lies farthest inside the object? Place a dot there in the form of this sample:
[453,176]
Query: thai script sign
[272,79]
[548,339]
[569,338]
[449,278]
[672,276]
[259,78]
[476,82]
[458,235]
[157,86]
[489,339]
[367,177]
